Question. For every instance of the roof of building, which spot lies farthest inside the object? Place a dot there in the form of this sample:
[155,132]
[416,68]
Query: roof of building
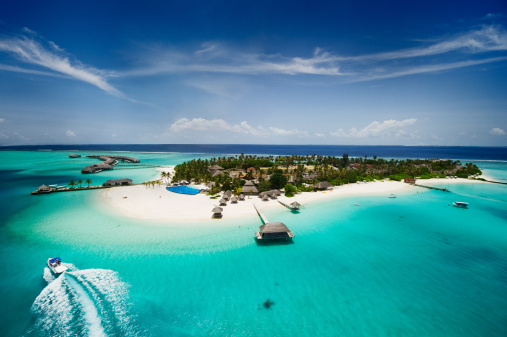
[216,173]
[217,209]
[323,184]
[44,187]
[118,181]
[274,227]
[215,167]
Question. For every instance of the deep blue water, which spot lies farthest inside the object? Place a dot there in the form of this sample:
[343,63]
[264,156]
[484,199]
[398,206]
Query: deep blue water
[383,151]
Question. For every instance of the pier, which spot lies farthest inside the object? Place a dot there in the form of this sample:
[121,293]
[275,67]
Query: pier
[433,188]
[262,216]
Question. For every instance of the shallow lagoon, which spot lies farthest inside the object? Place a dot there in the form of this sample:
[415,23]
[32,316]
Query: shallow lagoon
[413,265]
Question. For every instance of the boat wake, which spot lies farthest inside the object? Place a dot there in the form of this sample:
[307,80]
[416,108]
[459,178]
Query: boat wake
[92,302]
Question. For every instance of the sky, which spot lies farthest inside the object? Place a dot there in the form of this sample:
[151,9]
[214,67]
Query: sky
[254,72]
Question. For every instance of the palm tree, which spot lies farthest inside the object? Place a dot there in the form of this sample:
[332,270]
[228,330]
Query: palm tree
[79,182]
[88,181]
[72,183]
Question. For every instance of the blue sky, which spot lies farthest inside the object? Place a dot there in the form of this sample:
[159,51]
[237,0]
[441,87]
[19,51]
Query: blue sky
[254,72]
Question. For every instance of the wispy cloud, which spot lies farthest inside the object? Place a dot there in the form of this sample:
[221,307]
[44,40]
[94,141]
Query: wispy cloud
[30,51]
[469,48]
[220,125]
[2,120]
[387,128]
[70,133]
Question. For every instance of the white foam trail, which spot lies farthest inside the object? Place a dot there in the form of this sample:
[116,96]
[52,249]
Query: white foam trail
[91,316]
[92,302]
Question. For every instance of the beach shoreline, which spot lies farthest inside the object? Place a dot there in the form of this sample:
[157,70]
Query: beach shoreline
[157,203]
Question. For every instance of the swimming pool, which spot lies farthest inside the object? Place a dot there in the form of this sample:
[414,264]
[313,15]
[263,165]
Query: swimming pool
[183,189]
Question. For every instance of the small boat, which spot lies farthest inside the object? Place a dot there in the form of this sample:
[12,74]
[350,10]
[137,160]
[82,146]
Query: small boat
[55,264]
[356,204]
[461,204]
[392,196]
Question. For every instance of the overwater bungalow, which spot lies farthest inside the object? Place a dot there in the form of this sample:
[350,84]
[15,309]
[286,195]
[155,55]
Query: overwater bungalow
[274,230]
[295,205]
[217,212]
[44,189]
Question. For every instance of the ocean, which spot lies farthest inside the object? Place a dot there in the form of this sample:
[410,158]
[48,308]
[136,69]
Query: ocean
[409,266]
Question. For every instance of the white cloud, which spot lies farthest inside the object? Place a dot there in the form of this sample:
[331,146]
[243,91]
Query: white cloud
[114,135]
[70,133]
[497,132]
[320,135]
[2,120]
[388,128]
[30,51]
[201,124]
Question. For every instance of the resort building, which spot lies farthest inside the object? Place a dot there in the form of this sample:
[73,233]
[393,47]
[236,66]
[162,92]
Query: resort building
[217,212]
[118,182]
[249,188]
[409,180]
[108,163]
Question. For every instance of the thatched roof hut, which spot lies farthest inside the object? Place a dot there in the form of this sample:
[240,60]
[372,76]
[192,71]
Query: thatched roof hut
[217,212]
[234,200]
[216,173]
[275,230]
[241,197]
[44,188]
[223,202]
[215,167]
[249,188]
[295,204]
[265,197]
[227,195]
[322,185]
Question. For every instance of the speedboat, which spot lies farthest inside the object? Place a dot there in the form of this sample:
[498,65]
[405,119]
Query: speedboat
[55,264]
[392,196]
[460,204]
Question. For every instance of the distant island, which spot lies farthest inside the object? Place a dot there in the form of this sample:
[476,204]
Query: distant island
[304,173]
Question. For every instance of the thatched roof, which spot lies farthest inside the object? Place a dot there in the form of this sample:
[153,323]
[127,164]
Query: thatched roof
[265,197]
[247,188]
[215,167]
[234,199]
[228,193]
[274,227]
[295,204]
[217,210]
[241,197]
[216,173]
[249,183]
[323,184]
[44,188]
[223,201]
[210,184]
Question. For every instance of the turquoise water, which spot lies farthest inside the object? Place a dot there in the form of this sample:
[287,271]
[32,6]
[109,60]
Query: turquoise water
[409,266]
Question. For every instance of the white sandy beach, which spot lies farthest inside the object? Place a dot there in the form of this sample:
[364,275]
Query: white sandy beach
[159,204]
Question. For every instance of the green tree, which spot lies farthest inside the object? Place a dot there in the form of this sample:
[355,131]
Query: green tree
[72,183]
[79,182]
[277,180]
[289,190]
[88,181]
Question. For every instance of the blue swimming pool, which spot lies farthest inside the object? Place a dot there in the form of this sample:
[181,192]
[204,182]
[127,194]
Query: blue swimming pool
[183,189]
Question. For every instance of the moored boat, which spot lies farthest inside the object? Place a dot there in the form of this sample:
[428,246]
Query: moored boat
[392,196]
[56,266]
[460,204]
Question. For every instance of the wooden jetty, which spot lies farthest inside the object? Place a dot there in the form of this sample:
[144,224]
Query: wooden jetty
[272,230]
[433,188]
[54,190]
